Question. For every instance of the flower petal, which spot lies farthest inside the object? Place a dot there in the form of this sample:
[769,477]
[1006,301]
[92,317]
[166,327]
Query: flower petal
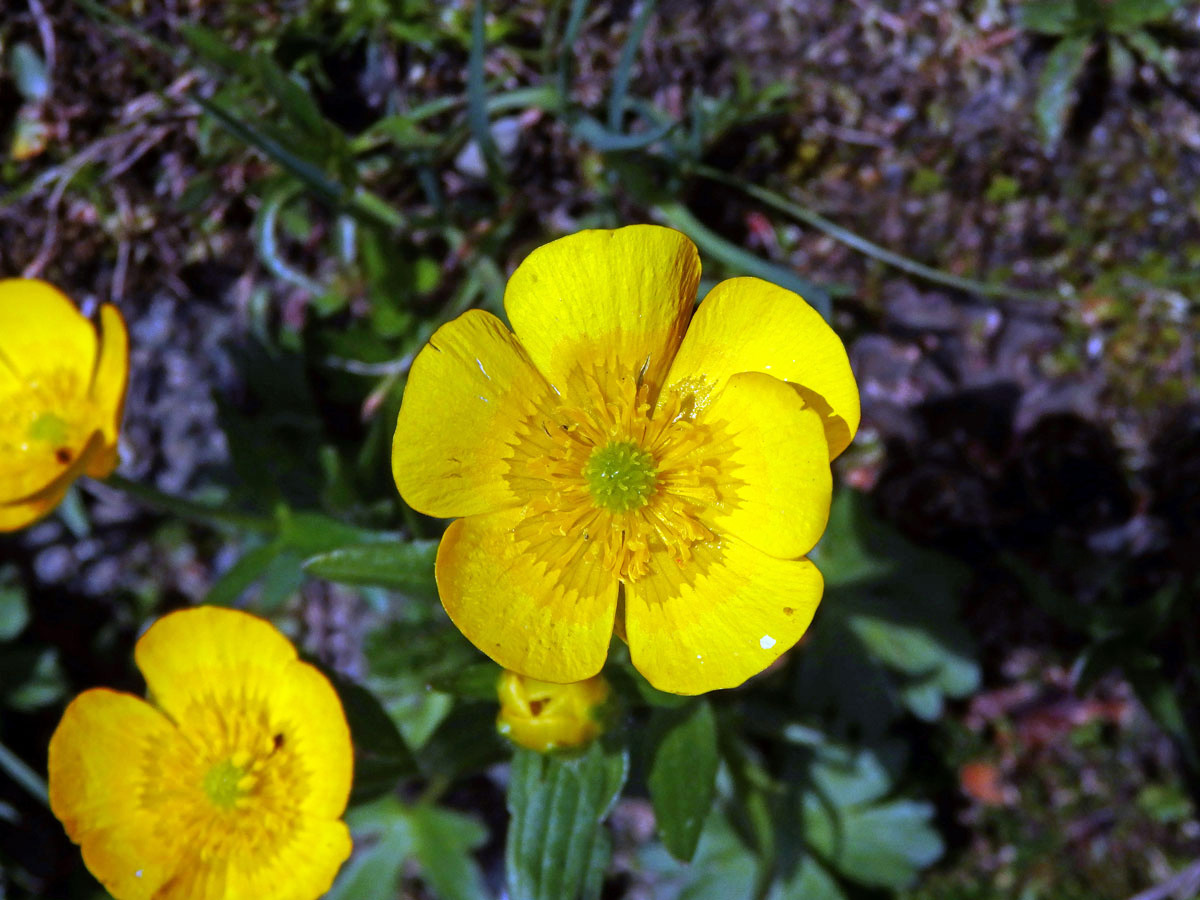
[308,711]
[108,387]
[750,325]
[547,620]
[302,868]
[778,486]
[102,755]
[38,323]
[40,487]
[619,298]
[201,651]
[718,619]
[467,393]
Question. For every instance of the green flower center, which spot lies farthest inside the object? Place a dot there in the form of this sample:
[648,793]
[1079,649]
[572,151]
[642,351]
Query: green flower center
[222,784]
[49,428]
[620,476]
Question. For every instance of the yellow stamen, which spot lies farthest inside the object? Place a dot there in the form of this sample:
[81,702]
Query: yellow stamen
[610,477]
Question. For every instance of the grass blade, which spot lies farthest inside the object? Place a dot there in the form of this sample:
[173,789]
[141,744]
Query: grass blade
[620,82]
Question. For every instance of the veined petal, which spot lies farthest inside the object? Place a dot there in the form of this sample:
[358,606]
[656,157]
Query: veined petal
[201,651]
[750,325]
[722,617]
[778,481]
[310,714]
[103,756]
[546,616]
[38,323]
[108,385]
[301,869]
[614,298]
[467,393]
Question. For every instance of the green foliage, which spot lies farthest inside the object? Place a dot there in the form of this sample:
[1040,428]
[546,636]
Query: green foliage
[392,834]
[861,835]
[557,847]
[683,774]
[1083,27]
[893,607]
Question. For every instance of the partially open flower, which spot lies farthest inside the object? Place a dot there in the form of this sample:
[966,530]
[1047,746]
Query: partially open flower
[543,716]
[62,392]
[230,782]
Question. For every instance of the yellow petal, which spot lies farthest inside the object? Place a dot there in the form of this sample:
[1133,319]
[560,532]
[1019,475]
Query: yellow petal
[204,650]
[750,325]
[302,868]
[310,714]
[39,488]
[544,618]
[37,323]
[102,757]
[467,393]
[108,387]
[778,485]
[719,618]
[615,298]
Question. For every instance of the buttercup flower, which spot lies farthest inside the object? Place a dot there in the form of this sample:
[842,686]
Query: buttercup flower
[614,468]
[543,716]
[62,391]
[229,783]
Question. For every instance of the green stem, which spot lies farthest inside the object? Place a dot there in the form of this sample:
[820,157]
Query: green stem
[23,775]
[189,509]
[862,245]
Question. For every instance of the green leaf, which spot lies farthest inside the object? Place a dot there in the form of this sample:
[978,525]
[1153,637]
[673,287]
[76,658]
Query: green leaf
[477,113]
[14,610]
[723,867]
[1062,67]
[250,566]
[398,565]
[557,846]
[29,72]
[1124,16]
[590,130]
[888,632]
[1152,51]
[381,757]
[683,773]
[211,46]
[387,834]
[1055,17]
[442,844]
[882,846]
[620,80]
[810,881]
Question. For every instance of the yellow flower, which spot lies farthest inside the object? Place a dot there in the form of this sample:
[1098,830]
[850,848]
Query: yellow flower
[615,472]
[543,716]
[229,783]
[62,391]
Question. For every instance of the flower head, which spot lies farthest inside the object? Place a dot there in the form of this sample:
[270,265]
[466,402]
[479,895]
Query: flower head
[617,468]
[62,391]
[543,716]
[230,782]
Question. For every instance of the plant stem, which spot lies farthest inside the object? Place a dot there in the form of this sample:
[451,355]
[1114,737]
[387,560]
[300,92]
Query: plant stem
[862,245]
[23,775]
[189,509]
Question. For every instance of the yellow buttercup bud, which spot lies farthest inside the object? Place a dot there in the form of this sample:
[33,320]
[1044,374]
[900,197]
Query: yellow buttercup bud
[543,716]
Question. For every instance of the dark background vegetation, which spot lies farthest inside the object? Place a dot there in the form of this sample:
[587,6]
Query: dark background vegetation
[995,202]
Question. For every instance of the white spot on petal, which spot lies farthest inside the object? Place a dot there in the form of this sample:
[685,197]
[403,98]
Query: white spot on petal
[766,642]
[137,874]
